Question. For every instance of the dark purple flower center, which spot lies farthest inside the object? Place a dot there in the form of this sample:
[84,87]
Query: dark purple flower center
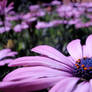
[83,68]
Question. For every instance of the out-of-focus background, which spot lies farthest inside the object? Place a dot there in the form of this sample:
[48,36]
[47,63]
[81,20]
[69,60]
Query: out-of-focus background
[25,24]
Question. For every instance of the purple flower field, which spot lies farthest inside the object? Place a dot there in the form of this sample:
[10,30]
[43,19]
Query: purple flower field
[45,46]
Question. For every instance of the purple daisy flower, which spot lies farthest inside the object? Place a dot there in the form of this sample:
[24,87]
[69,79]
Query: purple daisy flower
[4,54]
[52,69]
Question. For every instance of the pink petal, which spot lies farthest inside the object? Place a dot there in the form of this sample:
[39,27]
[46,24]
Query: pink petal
[34,72]
[55,2]
[89,45]
[85,54]
[71,59]
[24,25]
[75,49]
[29,84]
[4,52]
[27,16]
[12,53]
[65,85]
[90,89]
[39,61]
[41,25]
[8,9]
[52,53]
[7,29]
[7,52]
[2,30]
[18,28]
[82,87]
[6,61]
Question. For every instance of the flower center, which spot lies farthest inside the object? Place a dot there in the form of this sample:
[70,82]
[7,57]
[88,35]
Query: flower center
[83,68]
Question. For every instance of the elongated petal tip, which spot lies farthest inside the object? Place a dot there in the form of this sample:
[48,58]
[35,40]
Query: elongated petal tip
[52,53]
[75,49]
[89,46]
[38,47]
[65,85]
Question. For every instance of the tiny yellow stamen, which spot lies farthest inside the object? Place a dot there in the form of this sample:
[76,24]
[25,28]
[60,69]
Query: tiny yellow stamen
[85,68]
[77,65]
[90,67]
[78,61]
[82,65]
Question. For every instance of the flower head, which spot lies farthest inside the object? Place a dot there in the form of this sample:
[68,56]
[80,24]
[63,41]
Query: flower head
[52,69]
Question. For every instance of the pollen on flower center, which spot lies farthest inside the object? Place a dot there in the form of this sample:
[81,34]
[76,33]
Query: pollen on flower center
[83,68]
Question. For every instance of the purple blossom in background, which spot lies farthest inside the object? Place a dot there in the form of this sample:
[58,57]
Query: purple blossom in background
[4,54]
[42,25]
[73,21]
[53,23]
[73,14]
[63,10]
[55,2]
[36,11]
[52,69]
[68,11]
[20,27]
[34,8]
[25,21]
[9,20]
[81,24]
[89,16]
[6,15]
[86,4]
